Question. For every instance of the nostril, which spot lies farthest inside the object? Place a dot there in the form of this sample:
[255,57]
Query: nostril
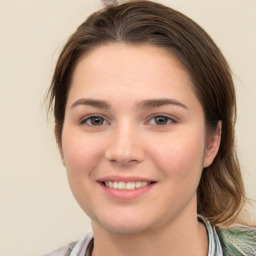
[124,149]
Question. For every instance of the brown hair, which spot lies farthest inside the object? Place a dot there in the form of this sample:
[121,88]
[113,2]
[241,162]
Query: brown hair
[221,191]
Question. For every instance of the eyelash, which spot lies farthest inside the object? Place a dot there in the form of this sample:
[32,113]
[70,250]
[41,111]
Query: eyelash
[168,119]
[89,118]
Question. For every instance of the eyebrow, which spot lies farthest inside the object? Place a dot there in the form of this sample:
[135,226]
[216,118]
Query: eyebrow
[145,104]
[154,103]
[91,102]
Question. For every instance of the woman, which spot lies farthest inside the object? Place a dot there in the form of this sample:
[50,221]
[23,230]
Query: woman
[144,108]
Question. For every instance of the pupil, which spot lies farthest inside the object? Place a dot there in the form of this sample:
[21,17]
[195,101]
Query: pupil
[161,120]
[97,120]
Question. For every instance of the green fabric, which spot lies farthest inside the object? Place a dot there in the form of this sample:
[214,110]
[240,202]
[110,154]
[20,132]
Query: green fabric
[230,241]
[238,241]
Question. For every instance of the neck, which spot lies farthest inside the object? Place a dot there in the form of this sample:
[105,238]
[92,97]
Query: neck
[181,238]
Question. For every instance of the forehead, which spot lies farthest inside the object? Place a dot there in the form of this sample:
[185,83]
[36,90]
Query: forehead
[120,55]
[137,70]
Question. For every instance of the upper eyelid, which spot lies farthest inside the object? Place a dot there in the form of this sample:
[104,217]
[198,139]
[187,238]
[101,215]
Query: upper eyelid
[86,117]
[164,115]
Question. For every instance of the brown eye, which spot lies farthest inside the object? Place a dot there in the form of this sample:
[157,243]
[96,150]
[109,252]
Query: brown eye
[95,121]
[160,120]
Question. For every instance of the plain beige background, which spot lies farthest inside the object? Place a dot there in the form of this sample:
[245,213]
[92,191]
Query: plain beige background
[38,212]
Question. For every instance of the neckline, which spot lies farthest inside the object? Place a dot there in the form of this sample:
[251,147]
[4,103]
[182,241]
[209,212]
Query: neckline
[214,245]
[85,245]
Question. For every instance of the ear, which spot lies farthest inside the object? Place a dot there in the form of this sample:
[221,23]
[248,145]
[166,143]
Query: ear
[212,145]
[61,155]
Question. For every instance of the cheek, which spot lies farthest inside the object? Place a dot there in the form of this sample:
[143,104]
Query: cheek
[180,156]
[80,153]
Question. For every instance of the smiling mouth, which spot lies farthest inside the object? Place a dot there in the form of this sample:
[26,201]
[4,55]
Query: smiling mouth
[126,185]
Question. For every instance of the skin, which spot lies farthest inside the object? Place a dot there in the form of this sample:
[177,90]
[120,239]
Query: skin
[164,142]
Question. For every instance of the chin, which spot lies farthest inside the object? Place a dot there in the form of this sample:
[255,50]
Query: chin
[124,228]
[123,225]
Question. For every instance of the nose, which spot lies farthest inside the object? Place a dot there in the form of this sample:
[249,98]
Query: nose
[125,146]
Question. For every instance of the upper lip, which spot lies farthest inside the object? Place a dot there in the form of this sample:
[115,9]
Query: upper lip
[124,179]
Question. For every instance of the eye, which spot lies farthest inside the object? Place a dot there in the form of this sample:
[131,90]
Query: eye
[94,121]
[160,120]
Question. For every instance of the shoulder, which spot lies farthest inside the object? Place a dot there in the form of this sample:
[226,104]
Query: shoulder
[63,251]
[238,240]
[74,248]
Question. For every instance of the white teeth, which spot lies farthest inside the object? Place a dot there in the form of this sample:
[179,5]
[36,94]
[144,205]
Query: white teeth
[144,184]
[121,185]
[126,185]
[115,184]
[130,185]
[138,184]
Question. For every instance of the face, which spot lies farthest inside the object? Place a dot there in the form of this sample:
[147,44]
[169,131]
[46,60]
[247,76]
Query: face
[134,139]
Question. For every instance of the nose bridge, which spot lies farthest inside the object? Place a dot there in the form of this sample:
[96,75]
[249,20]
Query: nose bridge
[124,146]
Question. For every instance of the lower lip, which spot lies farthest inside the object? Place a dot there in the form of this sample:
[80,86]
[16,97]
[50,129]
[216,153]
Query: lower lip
[126,194]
